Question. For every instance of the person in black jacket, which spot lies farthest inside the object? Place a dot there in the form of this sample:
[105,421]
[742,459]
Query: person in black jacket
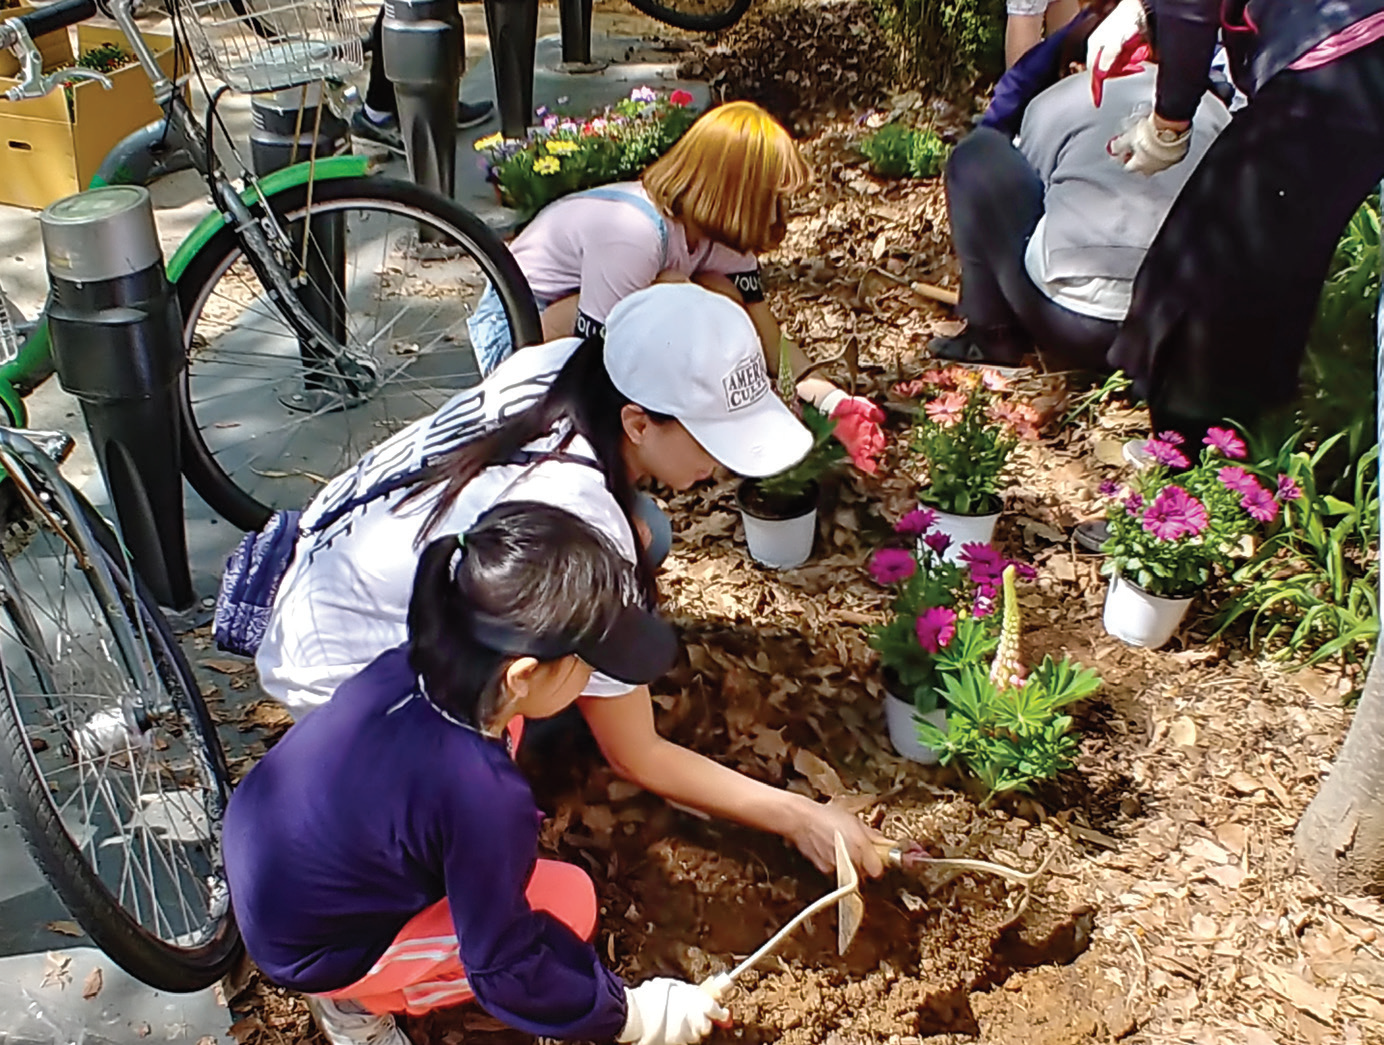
[1227,293]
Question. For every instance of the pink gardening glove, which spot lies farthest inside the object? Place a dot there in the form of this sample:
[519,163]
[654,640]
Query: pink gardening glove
[857,428]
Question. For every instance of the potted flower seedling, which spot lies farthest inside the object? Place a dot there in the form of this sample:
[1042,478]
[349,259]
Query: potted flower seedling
[941,620]
[1006,724]
[965,434]
[1173,527]
[780,511]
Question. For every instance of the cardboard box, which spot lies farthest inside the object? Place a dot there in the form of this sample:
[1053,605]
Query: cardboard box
[56,47]
[50,148]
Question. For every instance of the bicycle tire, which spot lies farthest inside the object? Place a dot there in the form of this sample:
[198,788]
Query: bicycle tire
[244,500]
[707,21]
[32,794]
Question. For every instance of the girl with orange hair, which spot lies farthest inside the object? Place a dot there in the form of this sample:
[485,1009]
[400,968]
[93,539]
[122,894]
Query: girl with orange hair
[702,212]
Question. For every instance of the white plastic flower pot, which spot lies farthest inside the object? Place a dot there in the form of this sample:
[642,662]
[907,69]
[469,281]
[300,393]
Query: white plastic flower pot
[1137,618]
[965,529]
[903,731]
[781,539]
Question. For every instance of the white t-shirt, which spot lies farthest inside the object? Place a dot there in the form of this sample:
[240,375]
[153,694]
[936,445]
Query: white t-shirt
[1103,297]
[344,599]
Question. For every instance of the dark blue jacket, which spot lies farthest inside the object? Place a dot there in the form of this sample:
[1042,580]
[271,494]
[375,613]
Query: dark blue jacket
[1263,38]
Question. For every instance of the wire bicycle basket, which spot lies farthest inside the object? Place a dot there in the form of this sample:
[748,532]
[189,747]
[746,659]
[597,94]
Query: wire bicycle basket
[254,46]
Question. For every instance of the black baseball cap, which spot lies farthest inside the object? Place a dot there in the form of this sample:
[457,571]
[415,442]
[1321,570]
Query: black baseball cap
[638,647]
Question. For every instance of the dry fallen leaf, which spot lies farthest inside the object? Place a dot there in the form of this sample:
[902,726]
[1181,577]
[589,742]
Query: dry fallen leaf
[56,970]
[66,928]
[230,667]
[1311,999]
[91,986]
[818,773]
[1183,731]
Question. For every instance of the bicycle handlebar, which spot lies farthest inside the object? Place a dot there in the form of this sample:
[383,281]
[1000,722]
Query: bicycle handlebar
[55,16]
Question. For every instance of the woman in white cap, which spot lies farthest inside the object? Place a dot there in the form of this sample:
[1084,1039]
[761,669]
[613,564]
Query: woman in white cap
[677,387]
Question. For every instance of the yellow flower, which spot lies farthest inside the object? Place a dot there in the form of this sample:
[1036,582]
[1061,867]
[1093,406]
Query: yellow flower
[561,148]
[546,165]
[490,141]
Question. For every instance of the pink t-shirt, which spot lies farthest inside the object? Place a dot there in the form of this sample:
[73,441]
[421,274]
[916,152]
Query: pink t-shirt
[1351,38]
[605,248]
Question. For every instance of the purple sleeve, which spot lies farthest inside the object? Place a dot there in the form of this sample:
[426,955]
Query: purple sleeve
[1185,32]
[526,968]
[1035,72]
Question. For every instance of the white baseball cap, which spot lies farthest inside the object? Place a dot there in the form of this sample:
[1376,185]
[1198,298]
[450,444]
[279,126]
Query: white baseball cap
[679,349]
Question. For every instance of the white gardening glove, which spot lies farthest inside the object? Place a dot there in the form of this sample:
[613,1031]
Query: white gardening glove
[1103,46]
[664,1011]
[1145,149]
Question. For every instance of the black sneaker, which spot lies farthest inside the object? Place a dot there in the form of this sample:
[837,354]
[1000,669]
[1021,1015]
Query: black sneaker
[473,115]
[384,134]
[977,350]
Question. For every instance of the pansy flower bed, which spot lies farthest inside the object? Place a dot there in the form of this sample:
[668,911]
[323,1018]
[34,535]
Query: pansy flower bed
[566,154]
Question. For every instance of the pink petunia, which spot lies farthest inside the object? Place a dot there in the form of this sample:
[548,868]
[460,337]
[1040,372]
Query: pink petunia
[1174,514]
[1236,479]
[892,565]
[1260,504]
[1171,437]
[939,542]
[680,98]
[984,605]
[1288,490]
[1226,441]
[936,627]
[917,522]
[1166,454]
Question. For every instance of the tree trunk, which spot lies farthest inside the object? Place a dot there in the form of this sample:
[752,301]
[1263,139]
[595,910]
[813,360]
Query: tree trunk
[1341,836]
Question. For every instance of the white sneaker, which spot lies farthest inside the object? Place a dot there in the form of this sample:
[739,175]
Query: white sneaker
[346,1023]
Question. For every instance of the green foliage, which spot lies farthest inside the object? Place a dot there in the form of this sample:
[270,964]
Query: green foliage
[106,58]
[1311,589]
[898,151]
[944,44]
[1011,739]
[965,435]
[917,672]
[567,155]
[826,454]
[1086,407]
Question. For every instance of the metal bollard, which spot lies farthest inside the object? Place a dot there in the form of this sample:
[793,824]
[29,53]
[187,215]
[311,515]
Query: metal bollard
[282,134]
[512,26]
[575,18]
[116,333]
[422,42]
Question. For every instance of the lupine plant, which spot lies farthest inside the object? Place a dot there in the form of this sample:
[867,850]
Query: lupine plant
[1178,522]
[965,433]
[1006,724]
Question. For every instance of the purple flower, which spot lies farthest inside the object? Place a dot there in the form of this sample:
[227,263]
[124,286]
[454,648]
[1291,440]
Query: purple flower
[1260,505]
[985,564]
[1236,479]
[550,122]
[917,522]
[643,94]
[936,627]
[892,565]
[1109,489]
[1288,490]
[1175,513]
[1023,571]
[939,542]
[1133,502]
[1166,454]
[1226,441]
[1171,437]
[984,604]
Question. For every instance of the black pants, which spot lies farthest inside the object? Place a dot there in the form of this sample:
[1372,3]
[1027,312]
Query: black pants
[994,200]
[379,94]
[1228,291]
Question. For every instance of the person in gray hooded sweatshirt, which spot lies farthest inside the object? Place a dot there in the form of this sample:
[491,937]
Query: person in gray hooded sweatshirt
[1050,229]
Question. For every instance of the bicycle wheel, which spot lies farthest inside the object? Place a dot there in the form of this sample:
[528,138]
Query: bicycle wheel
[696,16]
[393,271]
[108,758]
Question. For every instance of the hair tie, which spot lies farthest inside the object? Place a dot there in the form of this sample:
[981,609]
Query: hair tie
[458,557]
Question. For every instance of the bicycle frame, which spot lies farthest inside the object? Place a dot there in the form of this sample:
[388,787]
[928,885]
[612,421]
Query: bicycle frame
[176,143]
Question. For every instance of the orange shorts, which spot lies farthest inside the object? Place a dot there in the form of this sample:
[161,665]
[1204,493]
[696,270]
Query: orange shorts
[422,970]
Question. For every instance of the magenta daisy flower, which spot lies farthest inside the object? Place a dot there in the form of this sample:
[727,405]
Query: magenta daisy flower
[1166,454]
[1288,490]
[939,542]
[1225,441]
[1109,489]
[892,565]
[985,564]
[936,627]
[1133,502]
[1260,505]
[1172,437]
[1236,479]
[1175,513]
[917,522]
